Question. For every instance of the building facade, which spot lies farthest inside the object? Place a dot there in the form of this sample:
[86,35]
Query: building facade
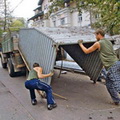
[66,16]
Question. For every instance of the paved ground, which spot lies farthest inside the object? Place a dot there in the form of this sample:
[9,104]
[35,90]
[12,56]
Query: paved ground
[86,101]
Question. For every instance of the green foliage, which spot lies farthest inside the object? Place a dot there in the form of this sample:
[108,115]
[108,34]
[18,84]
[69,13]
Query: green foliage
[110,16]
[16,25]
[55,5]
[96,25]
[1,28]
[1,31]
[109,10]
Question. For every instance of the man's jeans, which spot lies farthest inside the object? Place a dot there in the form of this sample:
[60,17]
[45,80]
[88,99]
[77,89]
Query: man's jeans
[38,85]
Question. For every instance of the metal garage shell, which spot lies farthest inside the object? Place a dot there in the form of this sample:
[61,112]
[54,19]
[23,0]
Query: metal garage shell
[40,45]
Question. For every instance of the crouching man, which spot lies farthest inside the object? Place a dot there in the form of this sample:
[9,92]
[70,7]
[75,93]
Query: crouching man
[33,82]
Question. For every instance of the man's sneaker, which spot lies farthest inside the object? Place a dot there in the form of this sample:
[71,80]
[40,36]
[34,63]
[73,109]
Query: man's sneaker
[54,105]
[51,106]
[34,102]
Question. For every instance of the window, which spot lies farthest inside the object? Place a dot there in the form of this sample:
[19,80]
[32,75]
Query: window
[45,7]
[42,24]
[62,21]
[54,23]
[80,17]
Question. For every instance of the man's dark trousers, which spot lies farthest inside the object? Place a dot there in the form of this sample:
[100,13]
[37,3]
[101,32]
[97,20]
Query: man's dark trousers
[38,85]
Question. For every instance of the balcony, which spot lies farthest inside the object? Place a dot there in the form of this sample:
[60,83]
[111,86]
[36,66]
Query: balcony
[37,15]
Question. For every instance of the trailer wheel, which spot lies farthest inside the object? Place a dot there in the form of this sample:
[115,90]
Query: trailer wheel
[4,65]
[10,68]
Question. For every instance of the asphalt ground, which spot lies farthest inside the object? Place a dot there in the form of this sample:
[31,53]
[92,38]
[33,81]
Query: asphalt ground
[85,100]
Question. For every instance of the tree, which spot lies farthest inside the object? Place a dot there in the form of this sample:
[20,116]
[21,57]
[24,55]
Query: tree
[4,13]
[6,19]
[16,25]
[109,10]
[110,16]
[56,5]
[1,34]
[1,28]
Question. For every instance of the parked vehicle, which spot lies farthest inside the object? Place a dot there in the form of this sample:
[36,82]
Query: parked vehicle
[10,56]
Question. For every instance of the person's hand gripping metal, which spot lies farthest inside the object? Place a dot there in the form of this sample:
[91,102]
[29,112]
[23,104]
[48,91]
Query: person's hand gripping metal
[80,41]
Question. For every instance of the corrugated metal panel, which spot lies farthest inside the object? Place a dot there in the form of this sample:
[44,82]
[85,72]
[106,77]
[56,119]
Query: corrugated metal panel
[37,47]
[90,63]
[69,34]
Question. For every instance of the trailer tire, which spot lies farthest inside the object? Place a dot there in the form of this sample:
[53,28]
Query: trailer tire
[10,68]
[4,65]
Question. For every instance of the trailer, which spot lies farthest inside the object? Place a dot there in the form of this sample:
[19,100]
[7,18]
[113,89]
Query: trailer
[46,45]
[10,57]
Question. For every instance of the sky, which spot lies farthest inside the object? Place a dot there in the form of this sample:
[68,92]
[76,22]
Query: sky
[25,9]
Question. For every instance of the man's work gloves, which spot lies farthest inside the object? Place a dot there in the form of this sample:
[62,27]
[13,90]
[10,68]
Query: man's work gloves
[51,72]
[80,41]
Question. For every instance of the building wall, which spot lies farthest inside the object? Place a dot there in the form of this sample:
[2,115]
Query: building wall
[45,6]
[65,17]
[61,18]
[82,19]
[70,18]
[46,23]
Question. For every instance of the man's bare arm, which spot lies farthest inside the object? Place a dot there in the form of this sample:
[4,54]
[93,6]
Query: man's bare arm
[39,73]
[94,47]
